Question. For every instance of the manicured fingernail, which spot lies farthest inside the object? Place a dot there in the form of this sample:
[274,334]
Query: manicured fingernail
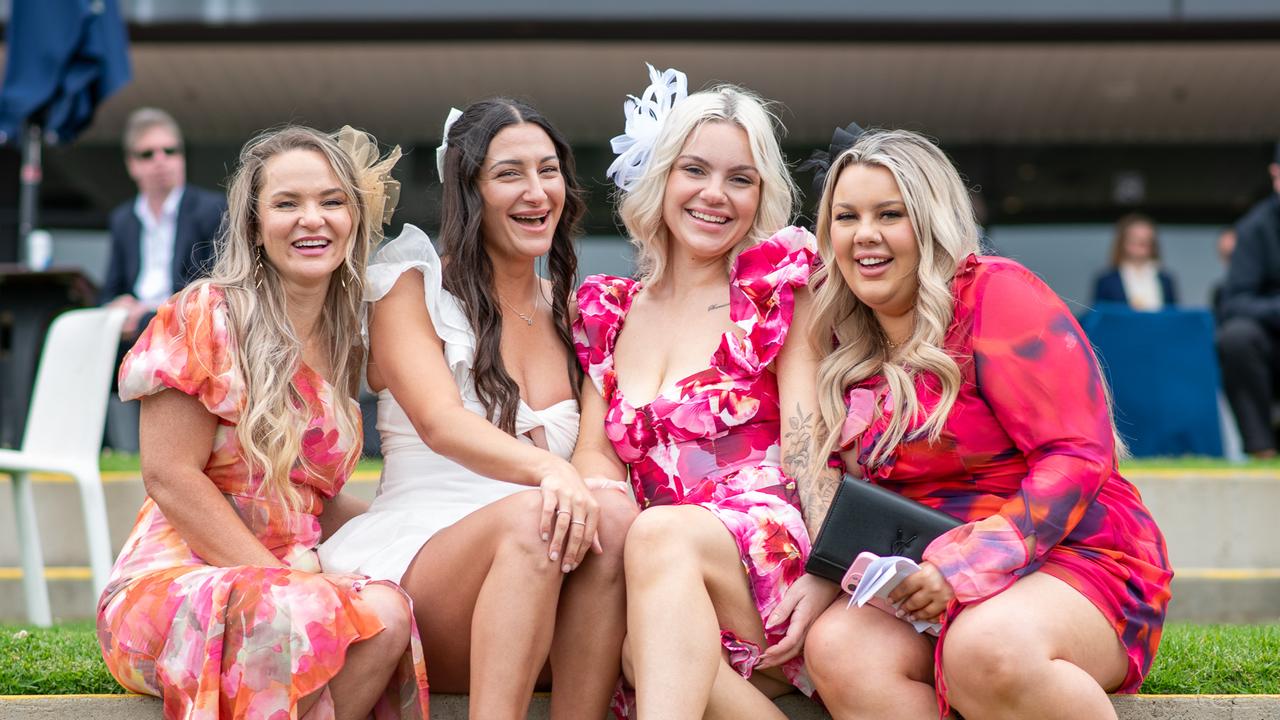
[899,613]
[554,556]
[566,568]
[545,537]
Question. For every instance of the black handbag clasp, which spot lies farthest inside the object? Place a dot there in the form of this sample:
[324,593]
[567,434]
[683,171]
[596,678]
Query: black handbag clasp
[899,546]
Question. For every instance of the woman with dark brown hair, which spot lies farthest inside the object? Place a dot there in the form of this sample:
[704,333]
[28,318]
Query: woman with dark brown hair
[479,515]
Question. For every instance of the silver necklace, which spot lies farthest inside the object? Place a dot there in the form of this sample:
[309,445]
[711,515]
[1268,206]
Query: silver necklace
[528,319]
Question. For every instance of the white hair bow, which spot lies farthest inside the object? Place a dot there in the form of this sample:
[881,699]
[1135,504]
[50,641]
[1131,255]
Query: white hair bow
[645,115]
[454,114]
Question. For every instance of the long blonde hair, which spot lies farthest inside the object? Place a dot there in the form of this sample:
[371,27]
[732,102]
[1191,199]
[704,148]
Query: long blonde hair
[267,348]
[946,232]
[641,207]
[942,218]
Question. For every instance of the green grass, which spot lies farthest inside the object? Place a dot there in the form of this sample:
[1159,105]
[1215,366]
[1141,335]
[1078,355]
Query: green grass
[62,660]
[128,462]
[1193,659]
[1196,463]
[1217,659]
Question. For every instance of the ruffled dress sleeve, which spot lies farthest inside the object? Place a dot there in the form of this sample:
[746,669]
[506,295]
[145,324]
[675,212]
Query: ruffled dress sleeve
[602,305]
[188,346]
[412,250]
[762,288]
[1036,370]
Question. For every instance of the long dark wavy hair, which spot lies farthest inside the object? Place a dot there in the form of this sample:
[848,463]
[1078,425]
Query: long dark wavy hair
[468,274]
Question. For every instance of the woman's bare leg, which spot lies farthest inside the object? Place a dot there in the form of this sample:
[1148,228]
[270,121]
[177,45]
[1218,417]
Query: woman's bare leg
[369,664]
[685,581]
[1039,649]
[868,664]
[592,619]
[484,594]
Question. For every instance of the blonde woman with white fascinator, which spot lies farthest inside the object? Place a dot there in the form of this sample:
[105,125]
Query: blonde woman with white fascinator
[695,418]
[249,428]
[513,560]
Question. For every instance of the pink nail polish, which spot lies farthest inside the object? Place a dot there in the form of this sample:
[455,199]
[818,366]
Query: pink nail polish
[554,556]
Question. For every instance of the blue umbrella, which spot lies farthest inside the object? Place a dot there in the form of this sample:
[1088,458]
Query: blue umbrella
[65,57]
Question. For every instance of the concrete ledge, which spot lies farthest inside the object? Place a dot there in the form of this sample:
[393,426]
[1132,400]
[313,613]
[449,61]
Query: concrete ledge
[454,707]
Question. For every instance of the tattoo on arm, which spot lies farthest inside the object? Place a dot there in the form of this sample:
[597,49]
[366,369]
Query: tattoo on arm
[815,492]
[799,438]
[815,499]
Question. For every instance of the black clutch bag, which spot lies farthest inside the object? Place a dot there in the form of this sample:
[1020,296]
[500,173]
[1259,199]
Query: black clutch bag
[866,517]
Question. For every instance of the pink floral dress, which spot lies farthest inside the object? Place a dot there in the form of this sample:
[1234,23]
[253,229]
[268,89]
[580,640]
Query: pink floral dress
[238,642]
[1026,453]
[714,439]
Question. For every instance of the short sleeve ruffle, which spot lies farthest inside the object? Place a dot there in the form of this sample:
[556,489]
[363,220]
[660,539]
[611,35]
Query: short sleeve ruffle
[762,297]
[603,301]
[412,250]
[188,347]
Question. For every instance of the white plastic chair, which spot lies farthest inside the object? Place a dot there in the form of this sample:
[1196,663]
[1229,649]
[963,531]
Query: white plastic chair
[64,435]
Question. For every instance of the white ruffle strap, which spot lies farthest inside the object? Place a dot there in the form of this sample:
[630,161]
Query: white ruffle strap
[413,250]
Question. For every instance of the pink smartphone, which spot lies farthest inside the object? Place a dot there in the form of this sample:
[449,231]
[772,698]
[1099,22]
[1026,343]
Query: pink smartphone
[853,576]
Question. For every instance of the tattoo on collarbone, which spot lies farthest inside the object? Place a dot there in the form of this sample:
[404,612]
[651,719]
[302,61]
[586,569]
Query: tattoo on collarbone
[716,306]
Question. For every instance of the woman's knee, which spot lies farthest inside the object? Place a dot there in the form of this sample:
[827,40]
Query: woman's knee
[516,529]
[853,660]
[617,512]
[827,653]
[986,658]
[393,612]
[664,537]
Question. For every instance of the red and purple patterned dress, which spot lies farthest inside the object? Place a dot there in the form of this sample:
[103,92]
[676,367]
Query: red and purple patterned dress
[1027,453]
[714,439]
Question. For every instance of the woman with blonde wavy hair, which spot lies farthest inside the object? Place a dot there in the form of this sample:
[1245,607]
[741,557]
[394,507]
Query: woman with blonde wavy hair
[249,428]
[962,382]
[694,419]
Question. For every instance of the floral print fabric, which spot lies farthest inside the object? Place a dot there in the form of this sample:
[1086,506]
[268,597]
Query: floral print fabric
[1026,459]
[713,439]
[238,642]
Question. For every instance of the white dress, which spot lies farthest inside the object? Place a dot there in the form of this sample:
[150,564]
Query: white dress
[422,492]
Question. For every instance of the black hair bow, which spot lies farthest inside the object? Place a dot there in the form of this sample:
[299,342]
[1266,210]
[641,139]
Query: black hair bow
[820,161]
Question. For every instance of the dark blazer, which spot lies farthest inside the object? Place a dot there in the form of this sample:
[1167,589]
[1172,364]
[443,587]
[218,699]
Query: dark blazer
[1252,287]
[200,214]
[1110,288]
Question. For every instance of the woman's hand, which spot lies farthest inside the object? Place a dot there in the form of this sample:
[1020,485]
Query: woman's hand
[922,595]
[569,515]
[803,602]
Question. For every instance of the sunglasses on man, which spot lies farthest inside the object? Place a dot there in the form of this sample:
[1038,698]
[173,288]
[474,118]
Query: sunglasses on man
[152,152]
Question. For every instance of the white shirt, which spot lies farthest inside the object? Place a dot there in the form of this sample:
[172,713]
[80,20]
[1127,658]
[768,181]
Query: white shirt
[1142,286]
[155,267]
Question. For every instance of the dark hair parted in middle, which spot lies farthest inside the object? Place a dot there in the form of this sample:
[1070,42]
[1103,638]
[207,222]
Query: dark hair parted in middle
[468,272]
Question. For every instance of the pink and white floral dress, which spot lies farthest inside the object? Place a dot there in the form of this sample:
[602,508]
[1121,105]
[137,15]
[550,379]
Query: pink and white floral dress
[713,440]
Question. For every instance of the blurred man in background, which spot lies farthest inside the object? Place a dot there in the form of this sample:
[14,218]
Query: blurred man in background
[163,238]
[1249,337]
